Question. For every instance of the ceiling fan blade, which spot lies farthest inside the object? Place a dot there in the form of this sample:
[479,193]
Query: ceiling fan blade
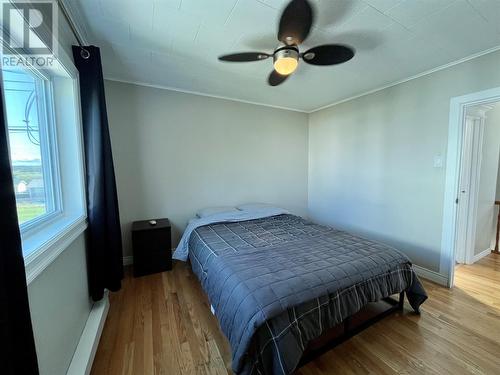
[244,57]
[276,79]
[328,54]
[295,22]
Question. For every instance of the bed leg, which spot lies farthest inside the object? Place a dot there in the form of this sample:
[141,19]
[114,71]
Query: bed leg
[401,301]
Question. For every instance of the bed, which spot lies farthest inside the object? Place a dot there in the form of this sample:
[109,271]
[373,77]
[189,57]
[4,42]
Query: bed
[278,282]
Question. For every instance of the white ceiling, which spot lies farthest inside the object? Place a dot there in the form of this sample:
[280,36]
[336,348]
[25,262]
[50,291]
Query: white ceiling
[175,43]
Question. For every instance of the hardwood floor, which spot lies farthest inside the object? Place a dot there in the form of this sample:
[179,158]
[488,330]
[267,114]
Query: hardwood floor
[161,324]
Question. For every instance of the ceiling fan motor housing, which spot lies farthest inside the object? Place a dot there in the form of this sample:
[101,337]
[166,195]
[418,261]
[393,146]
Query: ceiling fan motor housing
[286,51]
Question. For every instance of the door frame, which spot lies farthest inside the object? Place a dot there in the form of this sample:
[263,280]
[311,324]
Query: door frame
[458,106]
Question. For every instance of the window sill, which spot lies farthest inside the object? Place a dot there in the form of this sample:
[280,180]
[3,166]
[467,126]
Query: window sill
[57,240]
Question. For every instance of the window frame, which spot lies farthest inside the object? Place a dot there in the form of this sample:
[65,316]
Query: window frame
[52,236]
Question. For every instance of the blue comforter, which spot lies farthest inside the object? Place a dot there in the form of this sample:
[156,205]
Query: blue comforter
[278,282]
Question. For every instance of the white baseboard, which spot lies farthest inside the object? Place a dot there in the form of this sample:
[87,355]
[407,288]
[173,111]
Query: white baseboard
[81,364]
[128,260]
[482,254]
[431,275]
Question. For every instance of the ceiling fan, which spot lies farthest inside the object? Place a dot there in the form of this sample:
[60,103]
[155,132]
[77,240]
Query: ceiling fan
[294,27]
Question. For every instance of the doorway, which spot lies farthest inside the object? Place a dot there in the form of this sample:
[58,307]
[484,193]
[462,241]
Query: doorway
[472,180]
[476,221]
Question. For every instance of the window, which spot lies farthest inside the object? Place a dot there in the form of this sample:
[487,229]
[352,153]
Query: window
[31,130]
[45,138]
[45,146]
[46,157]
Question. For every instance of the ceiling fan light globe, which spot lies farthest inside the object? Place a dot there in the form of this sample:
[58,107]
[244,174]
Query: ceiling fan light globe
[285,65]
[286,61]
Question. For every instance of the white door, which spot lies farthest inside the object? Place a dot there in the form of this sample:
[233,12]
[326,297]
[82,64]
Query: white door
[468,188]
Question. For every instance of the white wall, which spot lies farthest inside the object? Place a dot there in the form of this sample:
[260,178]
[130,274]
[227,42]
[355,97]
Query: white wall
[175,153]
[486,210]
[371,159]
[60,307]
[59,298]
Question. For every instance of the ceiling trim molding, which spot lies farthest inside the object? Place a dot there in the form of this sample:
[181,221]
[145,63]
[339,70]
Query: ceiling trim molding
[168,88]
[420,75]
[75,14]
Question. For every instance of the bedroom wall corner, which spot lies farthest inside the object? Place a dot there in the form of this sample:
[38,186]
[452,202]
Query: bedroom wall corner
[371,159]
[175,153]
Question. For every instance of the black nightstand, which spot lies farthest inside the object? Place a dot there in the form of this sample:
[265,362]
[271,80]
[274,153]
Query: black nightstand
[152,247]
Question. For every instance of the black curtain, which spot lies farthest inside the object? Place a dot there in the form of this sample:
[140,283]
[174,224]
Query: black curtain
[18,355]
[104,242]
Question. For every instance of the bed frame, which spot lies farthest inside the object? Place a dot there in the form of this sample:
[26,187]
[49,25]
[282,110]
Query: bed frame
[351,326]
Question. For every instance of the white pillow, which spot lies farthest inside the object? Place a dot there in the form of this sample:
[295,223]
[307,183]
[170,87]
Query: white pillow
[215,210]
[255,206]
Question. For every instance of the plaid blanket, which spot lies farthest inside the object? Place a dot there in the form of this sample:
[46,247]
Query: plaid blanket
[279,282]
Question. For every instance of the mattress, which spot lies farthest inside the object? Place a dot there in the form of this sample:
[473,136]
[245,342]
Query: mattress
[278,282]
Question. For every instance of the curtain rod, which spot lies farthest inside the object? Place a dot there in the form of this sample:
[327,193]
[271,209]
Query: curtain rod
[84,52]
